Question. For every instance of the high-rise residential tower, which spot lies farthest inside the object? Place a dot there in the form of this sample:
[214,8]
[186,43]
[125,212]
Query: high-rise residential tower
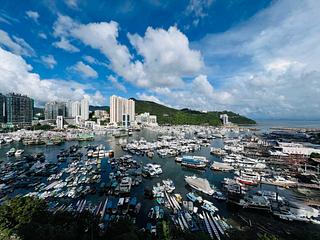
[2,108]
[19,110]
[84,109]
[122,111]
[75,109]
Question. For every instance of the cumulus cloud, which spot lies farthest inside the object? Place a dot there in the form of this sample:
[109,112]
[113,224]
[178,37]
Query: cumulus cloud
[198,94]
[275,59]
[17,76]
[84,70]
[49,61]
[33,15]
[96,99]
[115,83]
[166,54]
[15,44]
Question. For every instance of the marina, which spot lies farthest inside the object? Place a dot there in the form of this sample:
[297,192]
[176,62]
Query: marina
[116,178]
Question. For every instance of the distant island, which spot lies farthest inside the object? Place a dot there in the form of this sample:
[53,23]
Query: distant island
[167,115]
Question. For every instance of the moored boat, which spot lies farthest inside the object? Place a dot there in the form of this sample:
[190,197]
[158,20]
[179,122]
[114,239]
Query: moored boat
[199,184]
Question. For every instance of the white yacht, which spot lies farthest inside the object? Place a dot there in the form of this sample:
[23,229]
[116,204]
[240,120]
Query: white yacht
[153,169]
[199,184]
[102,153]
[19,152]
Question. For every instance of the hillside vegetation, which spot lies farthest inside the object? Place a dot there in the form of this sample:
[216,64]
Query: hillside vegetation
[167,115]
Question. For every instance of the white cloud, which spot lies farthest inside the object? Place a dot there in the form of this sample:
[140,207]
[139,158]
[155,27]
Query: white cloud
[15,44]
[275,59]
[42,35]
[201,85]
[198,9]
[61,29]
[72,3]
[33,15]
[167,57]
[49,61]
[166,54]
[17,76]
[84,70]
[115,83]
[198,94]
[96,99]
[92,60]
[152,98]
[89,59]
[103,36]
[66,45]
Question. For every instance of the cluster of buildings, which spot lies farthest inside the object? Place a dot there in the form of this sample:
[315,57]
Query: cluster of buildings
[145,119]
[70,109]
[72,112]
[16,110]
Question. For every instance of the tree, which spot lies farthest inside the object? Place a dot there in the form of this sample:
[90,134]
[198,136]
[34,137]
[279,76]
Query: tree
[28,218]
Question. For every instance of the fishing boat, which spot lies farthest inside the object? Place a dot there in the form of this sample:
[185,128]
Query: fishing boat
[246,180]
[207,205]
[217,151]
[19,152]
[221,166]
[169,185]
[219,195]
[199,184]
[194,197]
[150,154]
[193,162]
[137,208]
[11,152]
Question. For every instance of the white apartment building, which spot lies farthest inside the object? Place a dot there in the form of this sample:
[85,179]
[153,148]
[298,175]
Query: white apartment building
[122,111]
[59,122]
[75,109]
[84,109]
[225,119]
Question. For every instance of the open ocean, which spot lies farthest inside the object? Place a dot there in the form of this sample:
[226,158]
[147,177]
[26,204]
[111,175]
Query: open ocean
[265,125]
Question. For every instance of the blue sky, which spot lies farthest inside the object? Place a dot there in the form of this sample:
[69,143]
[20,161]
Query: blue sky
[258,58]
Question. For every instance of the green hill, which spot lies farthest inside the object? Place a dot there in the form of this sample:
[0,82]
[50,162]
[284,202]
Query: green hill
[166,115]
[93,108]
